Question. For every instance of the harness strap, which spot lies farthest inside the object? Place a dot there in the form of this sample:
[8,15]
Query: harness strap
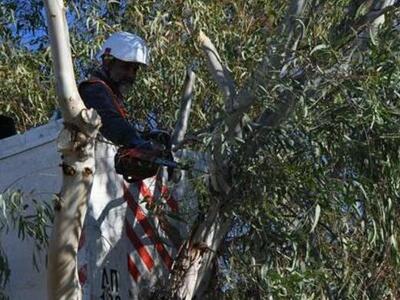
[117,103]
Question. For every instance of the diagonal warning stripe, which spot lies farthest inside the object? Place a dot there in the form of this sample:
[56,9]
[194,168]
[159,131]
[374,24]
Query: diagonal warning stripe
[148,229]
[140,248]
[133,270]
[172,233]
[145,192]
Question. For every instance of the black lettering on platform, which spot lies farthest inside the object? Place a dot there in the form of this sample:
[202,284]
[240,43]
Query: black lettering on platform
[110,284]
[104,279]
[114,280]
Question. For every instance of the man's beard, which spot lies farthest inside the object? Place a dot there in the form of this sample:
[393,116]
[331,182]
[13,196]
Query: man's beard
[125,87]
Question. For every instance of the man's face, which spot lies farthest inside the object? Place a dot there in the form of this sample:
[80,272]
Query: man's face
[123,74]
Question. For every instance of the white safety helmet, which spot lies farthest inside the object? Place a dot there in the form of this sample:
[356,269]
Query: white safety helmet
[125,46]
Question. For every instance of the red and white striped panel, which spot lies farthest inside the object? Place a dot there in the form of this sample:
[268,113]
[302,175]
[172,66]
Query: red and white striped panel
[149,250]
[147,245]
[127,245]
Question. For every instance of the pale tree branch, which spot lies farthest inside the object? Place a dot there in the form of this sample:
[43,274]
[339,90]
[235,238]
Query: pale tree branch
[218,71]
[67,91]
[237,104]
[193,268]
[192,271]
[185,108]
[223,78]
[286,99]
[76,143]
[271,65]
[373,19]
[295,10]
[271,118]
[369,18]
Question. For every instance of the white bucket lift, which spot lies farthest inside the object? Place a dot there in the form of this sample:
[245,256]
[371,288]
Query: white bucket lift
[124,248]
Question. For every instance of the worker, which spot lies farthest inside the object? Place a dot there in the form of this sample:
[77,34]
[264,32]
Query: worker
[122,56]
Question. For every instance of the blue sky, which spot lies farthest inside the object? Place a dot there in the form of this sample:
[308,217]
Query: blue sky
[26,18]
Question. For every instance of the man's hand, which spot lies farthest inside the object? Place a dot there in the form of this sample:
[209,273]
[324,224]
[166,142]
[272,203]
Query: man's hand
[160,137]
[150,145]
[139,143]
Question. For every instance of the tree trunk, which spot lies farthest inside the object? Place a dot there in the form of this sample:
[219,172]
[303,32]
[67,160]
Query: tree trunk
[76,144]
[193,268]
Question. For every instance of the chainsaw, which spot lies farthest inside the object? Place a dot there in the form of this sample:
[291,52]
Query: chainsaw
[137,164]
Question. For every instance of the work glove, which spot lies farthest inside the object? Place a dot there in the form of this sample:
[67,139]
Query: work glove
[163,138]
[140,143]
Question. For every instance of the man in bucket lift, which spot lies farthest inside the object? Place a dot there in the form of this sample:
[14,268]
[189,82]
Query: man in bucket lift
[123,55]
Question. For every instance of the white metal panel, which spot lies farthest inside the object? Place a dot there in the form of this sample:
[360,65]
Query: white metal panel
[30,162]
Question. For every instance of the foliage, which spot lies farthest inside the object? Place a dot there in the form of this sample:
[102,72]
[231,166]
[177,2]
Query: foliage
[32,222]
[318,211]
[321,194]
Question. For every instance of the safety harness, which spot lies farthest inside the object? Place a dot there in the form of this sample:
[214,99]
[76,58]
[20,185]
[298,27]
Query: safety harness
[117,101]
[136,164]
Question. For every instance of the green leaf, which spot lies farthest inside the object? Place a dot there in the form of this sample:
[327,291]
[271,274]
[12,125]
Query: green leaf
[316,217]
[318,48]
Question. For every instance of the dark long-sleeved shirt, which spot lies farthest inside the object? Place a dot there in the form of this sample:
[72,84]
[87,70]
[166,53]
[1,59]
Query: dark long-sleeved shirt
[105,101]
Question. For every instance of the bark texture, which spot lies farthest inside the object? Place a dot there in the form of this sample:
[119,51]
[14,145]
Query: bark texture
[78,167]
[76,144]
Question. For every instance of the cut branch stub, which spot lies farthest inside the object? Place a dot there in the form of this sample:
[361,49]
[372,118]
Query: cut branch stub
[91,118]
